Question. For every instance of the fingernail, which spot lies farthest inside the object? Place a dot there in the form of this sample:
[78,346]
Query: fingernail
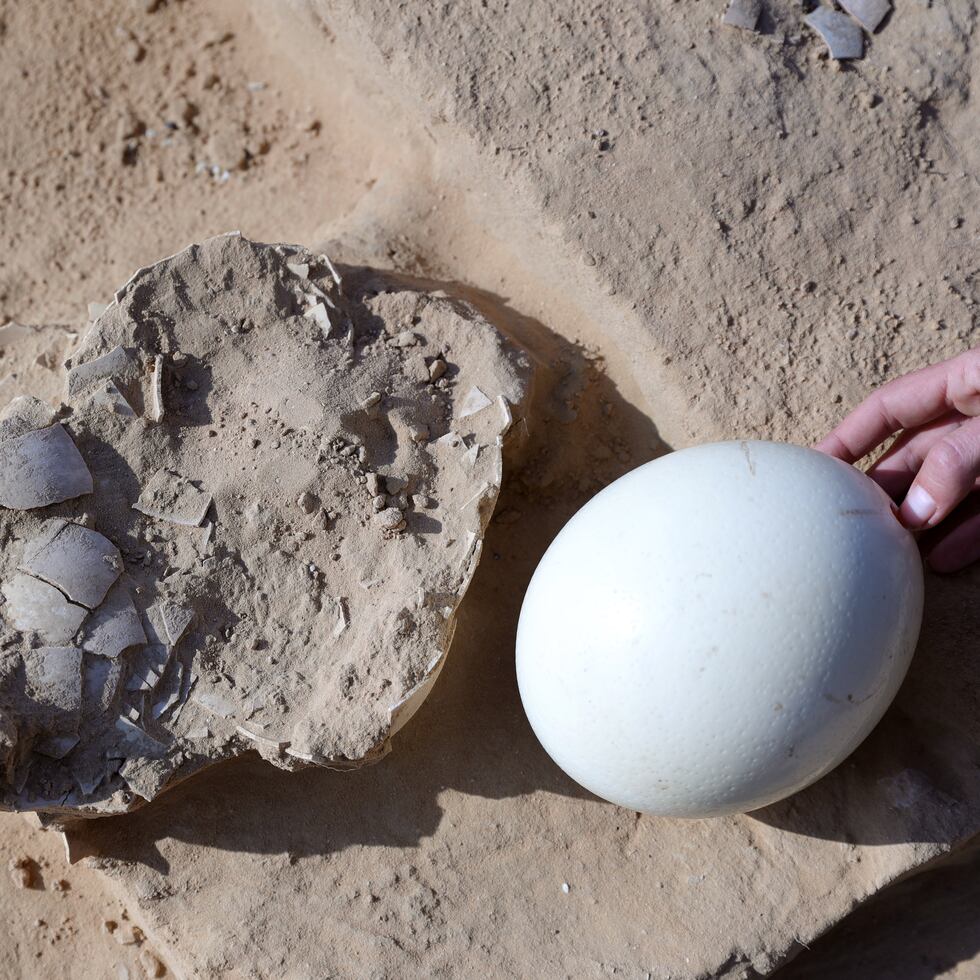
[918,507]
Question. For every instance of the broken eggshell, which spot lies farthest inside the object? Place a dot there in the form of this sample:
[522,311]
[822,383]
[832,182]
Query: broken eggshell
[193,520]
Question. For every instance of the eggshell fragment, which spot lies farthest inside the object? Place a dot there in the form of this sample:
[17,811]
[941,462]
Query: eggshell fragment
[719,628]
[41,468]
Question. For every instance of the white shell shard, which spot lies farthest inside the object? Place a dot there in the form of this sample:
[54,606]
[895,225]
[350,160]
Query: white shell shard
[34,606]
[506,416]
[169,497]
[176,619]
[869,13]
[475,401]
[42,468]
[82,563]
[24,414]
[169,692]
[343,616]
[728,649]
[148,667]
[110,397]
[743,14]
[117,365]
[842,35]
[114,626]
[54,682]
[157,410]
[318,313]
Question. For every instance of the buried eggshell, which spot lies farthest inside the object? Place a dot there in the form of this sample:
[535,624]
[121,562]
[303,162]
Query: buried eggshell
[118,365]
[41,468]
[35,606]
[80,562]
[114,626]
[719,628]
[314,668]
[841,34]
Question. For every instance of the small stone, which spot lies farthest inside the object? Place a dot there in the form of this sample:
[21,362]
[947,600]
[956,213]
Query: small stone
[405,339]
[307,503]
[370,402]
[437,369]
[390,520]
[374,484]
[419,433]
[379,502]
[395,484]
[565,887]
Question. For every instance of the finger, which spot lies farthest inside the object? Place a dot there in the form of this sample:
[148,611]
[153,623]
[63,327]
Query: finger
[907,402]
[959,546]
[896,470]
[947,475]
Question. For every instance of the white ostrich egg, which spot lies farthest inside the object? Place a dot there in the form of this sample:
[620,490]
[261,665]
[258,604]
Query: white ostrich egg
[719,628]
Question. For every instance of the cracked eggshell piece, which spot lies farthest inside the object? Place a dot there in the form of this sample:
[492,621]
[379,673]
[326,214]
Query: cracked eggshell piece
[80,562]
[42,468]
[34,606]
[719,628]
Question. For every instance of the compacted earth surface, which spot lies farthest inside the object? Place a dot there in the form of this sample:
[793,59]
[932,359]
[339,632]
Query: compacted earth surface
[698,232]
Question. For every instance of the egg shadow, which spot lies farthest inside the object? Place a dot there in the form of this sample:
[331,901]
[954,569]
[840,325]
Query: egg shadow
[916,778]
[471,735]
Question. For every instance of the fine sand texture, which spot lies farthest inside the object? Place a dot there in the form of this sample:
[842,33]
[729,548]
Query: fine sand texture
[698,232]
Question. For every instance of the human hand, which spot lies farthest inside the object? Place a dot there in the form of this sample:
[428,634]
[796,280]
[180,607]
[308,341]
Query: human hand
[935,463]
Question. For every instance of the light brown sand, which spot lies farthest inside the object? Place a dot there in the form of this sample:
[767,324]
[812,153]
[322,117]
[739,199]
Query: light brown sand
[85,202]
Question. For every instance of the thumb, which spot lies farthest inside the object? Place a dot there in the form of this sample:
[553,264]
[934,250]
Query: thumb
[947,475]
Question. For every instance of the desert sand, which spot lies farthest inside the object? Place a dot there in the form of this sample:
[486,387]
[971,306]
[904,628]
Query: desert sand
[695,247]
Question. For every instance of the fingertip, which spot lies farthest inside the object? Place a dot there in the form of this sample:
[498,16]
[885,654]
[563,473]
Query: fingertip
[832,446]
[918,508]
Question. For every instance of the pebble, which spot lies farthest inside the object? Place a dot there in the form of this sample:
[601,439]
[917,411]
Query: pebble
[374,484]
[437,369]
[390,519]
[307,503]
[380,502]
[405,339]
[373,399]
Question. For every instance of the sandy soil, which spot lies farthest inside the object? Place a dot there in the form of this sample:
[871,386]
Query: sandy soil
[133,128]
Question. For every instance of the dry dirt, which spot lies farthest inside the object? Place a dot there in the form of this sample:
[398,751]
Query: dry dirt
[131,129]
